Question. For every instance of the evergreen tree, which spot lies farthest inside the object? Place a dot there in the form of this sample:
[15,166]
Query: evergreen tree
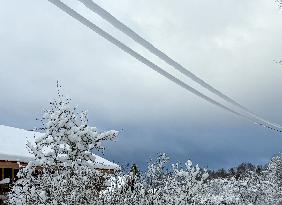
[63,170]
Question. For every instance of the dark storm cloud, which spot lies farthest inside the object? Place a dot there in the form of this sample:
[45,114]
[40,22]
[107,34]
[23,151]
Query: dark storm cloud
[230,44]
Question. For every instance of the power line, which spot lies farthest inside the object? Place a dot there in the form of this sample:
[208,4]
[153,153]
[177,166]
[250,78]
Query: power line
[143,60]
[140,40]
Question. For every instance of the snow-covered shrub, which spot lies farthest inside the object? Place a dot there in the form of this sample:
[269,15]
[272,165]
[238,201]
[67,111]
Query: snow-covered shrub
[251,188]
[257,187]
[188,183]
[156,180]
[159,185]
[63,170]
[220,191]
[140,188]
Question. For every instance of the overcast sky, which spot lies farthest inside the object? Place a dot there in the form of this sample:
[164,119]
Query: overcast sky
[230,44]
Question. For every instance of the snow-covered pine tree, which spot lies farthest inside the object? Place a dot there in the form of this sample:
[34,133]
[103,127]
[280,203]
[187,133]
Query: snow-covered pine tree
[189,183]
[63,170]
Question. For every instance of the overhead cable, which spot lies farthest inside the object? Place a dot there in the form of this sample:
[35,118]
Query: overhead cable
[140,40]
[145,61]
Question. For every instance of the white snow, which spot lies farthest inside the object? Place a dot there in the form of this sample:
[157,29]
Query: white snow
[5,181]
[13,147]
[13,143]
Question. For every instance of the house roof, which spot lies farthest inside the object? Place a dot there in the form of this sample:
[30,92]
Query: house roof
[13,147]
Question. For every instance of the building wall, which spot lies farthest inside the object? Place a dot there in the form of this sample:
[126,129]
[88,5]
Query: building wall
[8,169]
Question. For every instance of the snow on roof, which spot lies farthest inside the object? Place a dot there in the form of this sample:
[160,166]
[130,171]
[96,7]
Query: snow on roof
[13,147]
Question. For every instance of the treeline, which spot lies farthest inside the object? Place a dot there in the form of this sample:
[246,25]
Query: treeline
[236,172]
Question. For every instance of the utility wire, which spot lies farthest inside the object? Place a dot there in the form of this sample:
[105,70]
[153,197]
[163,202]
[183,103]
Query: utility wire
[140,40]
[145,61]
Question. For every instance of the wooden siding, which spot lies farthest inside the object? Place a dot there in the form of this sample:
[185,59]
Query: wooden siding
[12,164]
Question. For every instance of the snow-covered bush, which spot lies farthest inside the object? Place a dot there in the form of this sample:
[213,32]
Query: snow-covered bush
[63,170]
[220,191]
[259,187]
[143,188]
[159,185]
[188,183]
